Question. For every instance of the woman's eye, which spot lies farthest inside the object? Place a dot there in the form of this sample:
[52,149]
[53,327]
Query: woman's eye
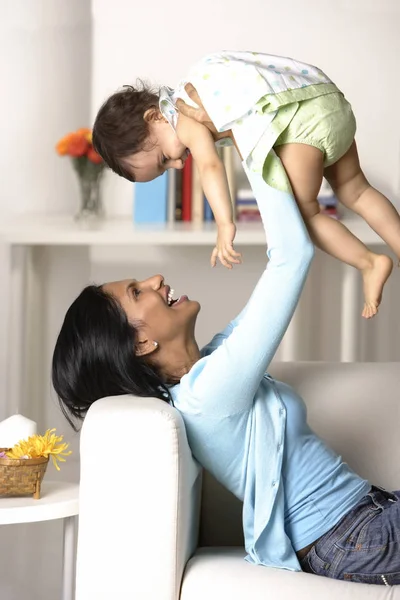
[136,292]
[164,159]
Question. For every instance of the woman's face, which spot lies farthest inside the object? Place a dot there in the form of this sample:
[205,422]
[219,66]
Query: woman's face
[149,302]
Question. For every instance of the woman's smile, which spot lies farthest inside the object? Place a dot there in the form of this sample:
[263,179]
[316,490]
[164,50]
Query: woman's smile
[171,301]
[179,301]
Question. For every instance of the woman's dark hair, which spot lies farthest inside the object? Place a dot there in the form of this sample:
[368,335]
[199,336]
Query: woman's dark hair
[119,129]
[94,357]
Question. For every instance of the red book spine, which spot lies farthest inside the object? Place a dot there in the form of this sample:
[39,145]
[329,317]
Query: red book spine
[187,190]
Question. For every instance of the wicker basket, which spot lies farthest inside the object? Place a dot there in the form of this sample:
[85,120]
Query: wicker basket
[22,476]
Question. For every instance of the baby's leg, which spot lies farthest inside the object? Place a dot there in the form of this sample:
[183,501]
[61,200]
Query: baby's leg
[353,190]
[304,167]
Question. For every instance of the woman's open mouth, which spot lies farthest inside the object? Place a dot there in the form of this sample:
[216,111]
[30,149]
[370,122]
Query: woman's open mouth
[174,302]
[179,301]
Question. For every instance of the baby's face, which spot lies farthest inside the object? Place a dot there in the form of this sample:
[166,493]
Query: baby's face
[165,151]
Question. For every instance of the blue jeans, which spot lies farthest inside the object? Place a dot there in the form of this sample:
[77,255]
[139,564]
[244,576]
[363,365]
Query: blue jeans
[364,546]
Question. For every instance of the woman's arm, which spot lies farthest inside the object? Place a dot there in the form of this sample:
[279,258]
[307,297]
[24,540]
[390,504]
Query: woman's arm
[200,142]
[225,382]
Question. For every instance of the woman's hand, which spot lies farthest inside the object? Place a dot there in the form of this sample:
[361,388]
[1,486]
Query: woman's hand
[197,114]
[224,248]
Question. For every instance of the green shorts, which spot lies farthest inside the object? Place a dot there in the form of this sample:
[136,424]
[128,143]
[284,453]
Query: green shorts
[326,122]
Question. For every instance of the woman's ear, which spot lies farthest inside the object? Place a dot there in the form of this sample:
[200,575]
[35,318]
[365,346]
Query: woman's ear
[152,115]
[145,347]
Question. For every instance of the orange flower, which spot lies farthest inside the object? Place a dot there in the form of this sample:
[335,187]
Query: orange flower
[78,145]
[83,131]
[94,157]
[86,132]
[62,145]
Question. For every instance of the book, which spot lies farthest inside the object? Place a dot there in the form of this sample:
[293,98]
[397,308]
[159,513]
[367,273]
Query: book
[246,206]
[208,213]
[171,207]
[178,194]
[187,189]
[328,203]
[150,200]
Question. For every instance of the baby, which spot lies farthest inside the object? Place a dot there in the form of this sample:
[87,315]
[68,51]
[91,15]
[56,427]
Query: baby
[288,121]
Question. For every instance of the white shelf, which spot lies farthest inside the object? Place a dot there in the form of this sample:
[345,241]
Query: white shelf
[62,230]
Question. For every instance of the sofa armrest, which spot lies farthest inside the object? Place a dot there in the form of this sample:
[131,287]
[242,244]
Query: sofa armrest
[139,501]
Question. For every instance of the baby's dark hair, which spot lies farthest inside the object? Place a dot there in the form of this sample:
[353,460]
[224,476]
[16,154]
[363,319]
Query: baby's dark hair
[119,129]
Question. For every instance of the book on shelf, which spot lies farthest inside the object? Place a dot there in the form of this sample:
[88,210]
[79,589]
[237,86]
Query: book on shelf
[195,206]
[208,213]
[246,206]
[247,209]
[187,189]
[177,195]
[151,200]
[172,195]
[327,200]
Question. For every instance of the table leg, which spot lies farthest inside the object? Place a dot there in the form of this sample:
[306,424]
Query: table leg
[350,310]
[68,576]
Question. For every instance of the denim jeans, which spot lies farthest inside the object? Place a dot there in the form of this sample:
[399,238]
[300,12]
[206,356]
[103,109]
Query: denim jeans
[364,546]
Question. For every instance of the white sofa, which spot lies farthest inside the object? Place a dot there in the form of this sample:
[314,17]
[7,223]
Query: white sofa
[152,528]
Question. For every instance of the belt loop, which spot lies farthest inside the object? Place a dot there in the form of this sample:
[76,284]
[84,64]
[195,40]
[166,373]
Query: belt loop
[374,500]
[376,490]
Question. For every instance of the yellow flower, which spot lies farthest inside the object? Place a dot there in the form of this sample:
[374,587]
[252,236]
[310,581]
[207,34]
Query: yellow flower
[45,445]
[86,133]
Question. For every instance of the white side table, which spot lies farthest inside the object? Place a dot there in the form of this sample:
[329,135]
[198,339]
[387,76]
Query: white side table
[58,500]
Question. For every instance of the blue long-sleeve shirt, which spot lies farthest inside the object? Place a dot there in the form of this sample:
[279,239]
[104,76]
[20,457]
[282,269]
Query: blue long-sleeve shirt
[250,431]
[319,486]
[235,420]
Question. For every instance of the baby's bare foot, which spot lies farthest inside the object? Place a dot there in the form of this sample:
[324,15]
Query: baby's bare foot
[374,278]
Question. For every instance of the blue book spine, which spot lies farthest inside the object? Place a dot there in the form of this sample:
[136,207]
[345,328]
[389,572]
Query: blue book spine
[151,200]
[208,214]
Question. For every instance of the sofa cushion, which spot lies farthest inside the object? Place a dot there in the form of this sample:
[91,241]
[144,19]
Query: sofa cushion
[218,573]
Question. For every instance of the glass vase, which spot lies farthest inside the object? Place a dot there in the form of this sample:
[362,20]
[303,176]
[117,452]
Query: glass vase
[90,201]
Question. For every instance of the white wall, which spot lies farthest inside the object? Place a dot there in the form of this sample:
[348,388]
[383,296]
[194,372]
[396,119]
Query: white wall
[45,61]
[356,42]
[45,72]
[45,65]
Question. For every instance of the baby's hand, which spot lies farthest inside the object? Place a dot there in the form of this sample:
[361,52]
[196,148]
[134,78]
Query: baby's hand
[224,247]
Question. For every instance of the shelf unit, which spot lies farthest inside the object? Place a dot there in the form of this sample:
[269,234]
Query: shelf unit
[62,230]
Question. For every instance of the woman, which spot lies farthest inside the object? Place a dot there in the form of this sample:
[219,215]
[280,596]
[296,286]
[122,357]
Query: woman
[303,506]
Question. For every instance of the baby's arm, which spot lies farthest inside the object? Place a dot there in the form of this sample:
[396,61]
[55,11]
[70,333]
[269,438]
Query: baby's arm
[213,179]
